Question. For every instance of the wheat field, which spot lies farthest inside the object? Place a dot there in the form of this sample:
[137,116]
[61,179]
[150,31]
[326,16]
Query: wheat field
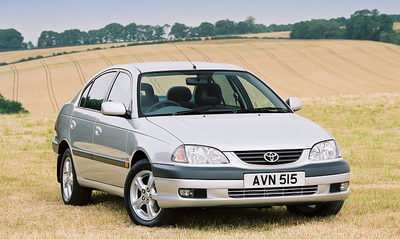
[299,68]
[351,88]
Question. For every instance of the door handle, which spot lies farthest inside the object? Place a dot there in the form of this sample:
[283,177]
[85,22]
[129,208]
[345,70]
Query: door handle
[98,130]
[73,124]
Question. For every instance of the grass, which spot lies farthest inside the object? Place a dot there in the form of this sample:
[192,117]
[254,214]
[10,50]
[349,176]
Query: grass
[366,127]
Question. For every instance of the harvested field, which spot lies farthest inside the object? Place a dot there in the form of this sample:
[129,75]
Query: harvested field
[302,68]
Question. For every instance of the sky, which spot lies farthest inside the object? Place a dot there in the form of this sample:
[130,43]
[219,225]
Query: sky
[31,17]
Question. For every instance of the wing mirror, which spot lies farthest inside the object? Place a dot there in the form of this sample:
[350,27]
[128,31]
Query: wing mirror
[294,103]
[113,109]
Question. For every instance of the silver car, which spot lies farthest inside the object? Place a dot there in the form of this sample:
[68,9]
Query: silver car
[167,135]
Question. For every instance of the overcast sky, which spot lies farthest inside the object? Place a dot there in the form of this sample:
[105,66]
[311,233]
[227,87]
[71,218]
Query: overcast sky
[31,17]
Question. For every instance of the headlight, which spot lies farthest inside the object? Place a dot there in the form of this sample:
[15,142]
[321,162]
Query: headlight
[195,154]
[325,150]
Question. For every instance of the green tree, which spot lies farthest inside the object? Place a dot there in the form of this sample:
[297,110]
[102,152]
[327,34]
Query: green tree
[225,27]
[131,31]
[96,36]
[48,39]
[72,37]
[243,28]
[10,39]
[145,32]
[179,30]
[206,29]
[159,31]
[113,32]
[367,25]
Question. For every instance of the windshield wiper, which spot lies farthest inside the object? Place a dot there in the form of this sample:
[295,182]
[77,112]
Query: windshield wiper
[205,109]
[264,110]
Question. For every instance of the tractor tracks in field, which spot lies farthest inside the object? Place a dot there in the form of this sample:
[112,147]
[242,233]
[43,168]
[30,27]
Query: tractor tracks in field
[324,68]
[49,85]
[392,50]
[134,55]
[78,69]
[206,58]
[292,71]
[253,69]
[365,69]
[108,62]
[15,83]
[166,53]
[376,56]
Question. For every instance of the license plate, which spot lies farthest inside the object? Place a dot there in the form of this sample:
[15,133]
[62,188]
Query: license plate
[269,180]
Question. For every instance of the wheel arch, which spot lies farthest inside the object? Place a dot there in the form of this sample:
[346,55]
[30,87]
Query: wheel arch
[137,156]
[61,149]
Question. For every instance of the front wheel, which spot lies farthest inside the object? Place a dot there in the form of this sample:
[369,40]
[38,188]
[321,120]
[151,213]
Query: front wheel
[323,209]
[140,196]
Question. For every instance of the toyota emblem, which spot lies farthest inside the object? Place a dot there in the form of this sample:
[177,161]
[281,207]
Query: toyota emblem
[271,157]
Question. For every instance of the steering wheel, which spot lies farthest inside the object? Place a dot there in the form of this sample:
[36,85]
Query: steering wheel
[162,104]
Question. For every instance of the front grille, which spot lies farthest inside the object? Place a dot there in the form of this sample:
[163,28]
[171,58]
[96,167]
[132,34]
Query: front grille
[272,192]
[257,157]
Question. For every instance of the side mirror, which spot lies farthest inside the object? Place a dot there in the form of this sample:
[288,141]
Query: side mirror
[294,103]
[113,108]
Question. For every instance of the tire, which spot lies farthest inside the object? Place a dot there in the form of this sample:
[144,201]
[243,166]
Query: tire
[72,193]
[140,196]
[323,210]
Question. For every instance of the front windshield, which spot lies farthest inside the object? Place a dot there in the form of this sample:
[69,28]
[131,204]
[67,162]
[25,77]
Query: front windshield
[205,92]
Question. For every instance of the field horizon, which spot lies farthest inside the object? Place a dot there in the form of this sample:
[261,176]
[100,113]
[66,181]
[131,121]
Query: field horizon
[301,68]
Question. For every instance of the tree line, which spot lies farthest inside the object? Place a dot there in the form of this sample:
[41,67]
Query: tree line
[11,39]
[362,25]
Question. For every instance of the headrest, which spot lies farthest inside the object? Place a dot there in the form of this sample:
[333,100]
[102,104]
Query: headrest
[179,94]
[209,94]
[147,88]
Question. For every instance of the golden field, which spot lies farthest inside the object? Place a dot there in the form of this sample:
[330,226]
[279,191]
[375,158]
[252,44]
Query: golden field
[302,68]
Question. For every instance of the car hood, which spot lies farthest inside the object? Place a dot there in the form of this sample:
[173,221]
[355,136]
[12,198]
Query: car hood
[244,131]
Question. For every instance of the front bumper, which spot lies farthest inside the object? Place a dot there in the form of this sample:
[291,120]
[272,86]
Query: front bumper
[219,183]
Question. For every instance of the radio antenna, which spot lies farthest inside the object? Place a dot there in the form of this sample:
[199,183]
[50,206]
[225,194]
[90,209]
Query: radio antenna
[194,66]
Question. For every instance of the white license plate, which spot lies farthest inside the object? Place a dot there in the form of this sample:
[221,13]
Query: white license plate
[268,180]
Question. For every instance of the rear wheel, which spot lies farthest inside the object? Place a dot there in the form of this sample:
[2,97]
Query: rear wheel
[71,192]
[140,195]
[312,210]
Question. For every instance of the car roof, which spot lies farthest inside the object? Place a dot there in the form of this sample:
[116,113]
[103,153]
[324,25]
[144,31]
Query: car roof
[145,67]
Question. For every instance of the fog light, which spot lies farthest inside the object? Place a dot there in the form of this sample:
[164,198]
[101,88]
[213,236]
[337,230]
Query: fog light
[344,186]
[185,192]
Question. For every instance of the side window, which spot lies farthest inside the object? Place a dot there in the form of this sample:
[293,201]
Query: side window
[84,95]
[121,90]
[97,91]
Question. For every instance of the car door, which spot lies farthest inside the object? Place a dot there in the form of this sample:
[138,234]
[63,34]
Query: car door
[83,123]
[110,138]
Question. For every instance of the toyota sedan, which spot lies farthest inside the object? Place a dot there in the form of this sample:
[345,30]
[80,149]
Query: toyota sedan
[168,135]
